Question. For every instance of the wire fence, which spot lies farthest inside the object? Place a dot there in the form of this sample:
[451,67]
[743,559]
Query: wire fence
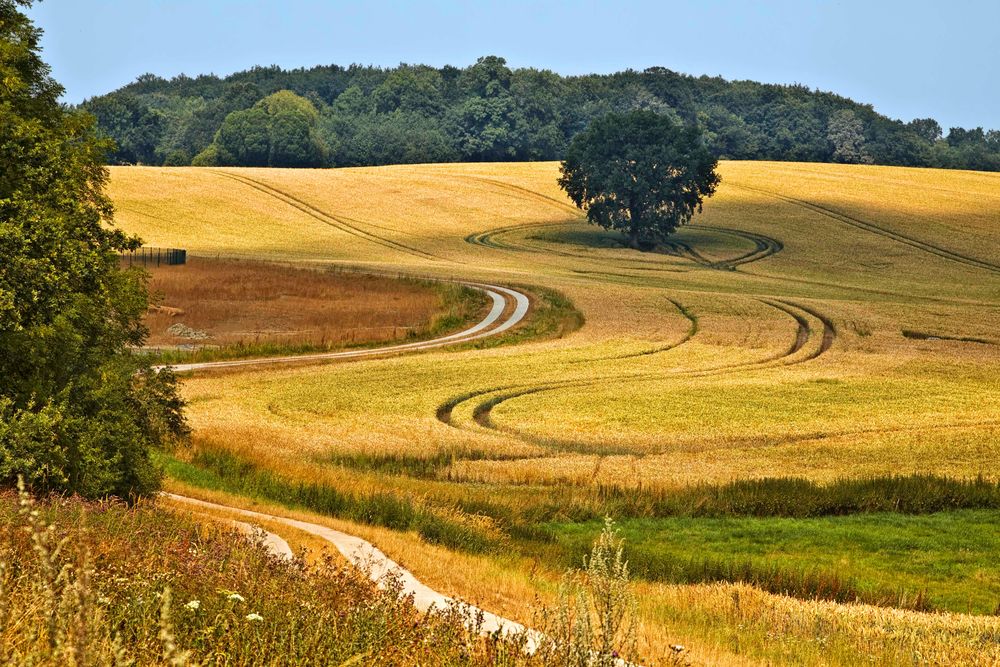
[154,256]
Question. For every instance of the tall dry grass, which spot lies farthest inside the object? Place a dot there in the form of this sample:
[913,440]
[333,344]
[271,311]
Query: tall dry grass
[102,584]
[246,302]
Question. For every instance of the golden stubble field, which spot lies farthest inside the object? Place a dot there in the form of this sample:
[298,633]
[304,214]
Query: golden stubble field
[818,321]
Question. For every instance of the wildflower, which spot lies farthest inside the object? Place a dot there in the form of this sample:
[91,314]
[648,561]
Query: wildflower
[193,605]
[677,648]
[254,616]
[236,597]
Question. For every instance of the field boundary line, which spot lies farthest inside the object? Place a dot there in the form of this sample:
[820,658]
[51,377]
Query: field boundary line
[858,223]
[336,222]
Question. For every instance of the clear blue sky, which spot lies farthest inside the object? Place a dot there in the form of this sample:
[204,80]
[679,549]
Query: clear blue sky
[909,58]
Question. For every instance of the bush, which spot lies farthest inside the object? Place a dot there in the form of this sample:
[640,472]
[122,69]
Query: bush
[594,623]
[207,158]
[177,158]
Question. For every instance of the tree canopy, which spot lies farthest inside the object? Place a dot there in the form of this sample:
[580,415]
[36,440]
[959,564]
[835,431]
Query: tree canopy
[489,111]
[78,412]
[278,131]
[640,173]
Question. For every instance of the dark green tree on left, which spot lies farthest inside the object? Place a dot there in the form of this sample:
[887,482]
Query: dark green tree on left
[78,412]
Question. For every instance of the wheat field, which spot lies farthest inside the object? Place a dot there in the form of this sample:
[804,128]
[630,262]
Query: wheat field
[822,322]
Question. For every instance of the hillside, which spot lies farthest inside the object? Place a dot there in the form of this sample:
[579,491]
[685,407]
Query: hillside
[351,116]
[790,408]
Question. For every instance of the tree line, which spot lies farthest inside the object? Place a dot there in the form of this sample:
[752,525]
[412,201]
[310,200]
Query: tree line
[360,115]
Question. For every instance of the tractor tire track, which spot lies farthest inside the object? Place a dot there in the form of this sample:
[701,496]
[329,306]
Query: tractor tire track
[692,330]
[482,412]
[858,223]
[526,193]
[337,222]
[764,247]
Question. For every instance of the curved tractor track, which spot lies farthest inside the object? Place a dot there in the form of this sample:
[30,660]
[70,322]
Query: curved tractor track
[764,247]
[688,335]
[482,411]
[509,307]
[341,223]
[858,223]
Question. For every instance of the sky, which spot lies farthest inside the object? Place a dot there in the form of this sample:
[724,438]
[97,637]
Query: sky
[908,58]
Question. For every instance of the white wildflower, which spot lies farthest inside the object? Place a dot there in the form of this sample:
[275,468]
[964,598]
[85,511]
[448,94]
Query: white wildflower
[254,617]
[236,597]
[193,605]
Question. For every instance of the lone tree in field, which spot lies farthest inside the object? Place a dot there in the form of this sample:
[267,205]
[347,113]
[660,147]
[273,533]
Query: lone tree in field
[640,173]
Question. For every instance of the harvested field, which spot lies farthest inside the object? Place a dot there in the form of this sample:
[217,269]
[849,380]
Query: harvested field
[823,325]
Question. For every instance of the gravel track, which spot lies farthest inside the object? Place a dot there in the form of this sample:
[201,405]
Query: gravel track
[504,299]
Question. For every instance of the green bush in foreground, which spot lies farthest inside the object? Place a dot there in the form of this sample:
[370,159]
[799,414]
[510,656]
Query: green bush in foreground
[78,412]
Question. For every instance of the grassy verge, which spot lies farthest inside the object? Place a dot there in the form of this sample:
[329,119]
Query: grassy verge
[552,315]
[221,471]
[943,561]
[491,520]
[795,497]
[84,583]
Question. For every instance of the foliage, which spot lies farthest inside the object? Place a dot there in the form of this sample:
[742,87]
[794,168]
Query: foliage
[593,624]
[74,413]
[99,584]
[846,132]
[278,131]
[488,111]
[639,173]
[136,129]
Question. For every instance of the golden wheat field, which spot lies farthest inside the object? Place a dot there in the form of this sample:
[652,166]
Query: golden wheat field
[816,321]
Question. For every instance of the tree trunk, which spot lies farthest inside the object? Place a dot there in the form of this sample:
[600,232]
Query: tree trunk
[633,228]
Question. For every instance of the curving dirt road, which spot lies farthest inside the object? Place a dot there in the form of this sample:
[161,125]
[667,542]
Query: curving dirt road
[504,300]
[379,567]
[361,553]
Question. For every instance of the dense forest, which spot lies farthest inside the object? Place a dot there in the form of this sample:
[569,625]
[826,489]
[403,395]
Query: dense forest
[348,116]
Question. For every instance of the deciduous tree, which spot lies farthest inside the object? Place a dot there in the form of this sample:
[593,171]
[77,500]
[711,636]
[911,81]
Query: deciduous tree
[640,173]
[78,411]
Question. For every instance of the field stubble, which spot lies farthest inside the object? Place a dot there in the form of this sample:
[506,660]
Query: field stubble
[634,399]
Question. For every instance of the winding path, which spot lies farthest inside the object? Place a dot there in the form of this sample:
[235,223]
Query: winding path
[379,567]
[357,551]
[505,300]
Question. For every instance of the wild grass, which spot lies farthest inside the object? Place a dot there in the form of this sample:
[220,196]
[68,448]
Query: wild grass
[238,308]
[222,471]
[103,584]
[715,624]
[941,561]
[495,521]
